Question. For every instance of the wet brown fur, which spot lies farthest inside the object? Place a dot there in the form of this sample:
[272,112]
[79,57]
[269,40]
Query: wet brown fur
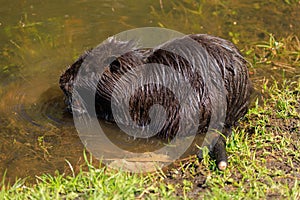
[233,68]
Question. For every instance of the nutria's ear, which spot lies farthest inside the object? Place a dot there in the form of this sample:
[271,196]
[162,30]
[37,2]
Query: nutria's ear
[114,64]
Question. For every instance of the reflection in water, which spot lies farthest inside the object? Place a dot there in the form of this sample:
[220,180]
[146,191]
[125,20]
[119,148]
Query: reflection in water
[39,39]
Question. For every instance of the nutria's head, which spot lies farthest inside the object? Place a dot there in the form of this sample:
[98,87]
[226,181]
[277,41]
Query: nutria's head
[66,81]
[97,70]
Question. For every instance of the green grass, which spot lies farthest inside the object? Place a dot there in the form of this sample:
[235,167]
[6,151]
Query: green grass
[264,154]
[266,162]
[94,183]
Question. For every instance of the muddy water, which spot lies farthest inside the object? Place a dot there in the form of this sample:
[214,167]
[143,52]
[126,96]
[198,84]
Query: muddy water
[39,38]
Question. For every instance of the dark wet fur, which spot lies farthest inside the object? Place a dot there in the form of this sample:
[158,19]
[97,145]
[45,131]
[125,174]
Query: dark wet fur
[231,64]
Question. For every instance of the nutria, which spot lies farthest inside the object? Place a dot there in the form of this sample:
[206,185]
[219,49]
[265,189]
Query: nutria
[218,57]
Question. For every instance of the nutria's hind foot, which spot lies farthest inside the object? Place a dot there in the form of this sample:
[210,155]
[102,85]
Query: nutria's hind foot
[218,153]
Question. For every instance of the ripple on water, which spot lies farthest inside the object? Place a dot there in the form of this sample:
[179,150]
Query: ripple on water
[23,105]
